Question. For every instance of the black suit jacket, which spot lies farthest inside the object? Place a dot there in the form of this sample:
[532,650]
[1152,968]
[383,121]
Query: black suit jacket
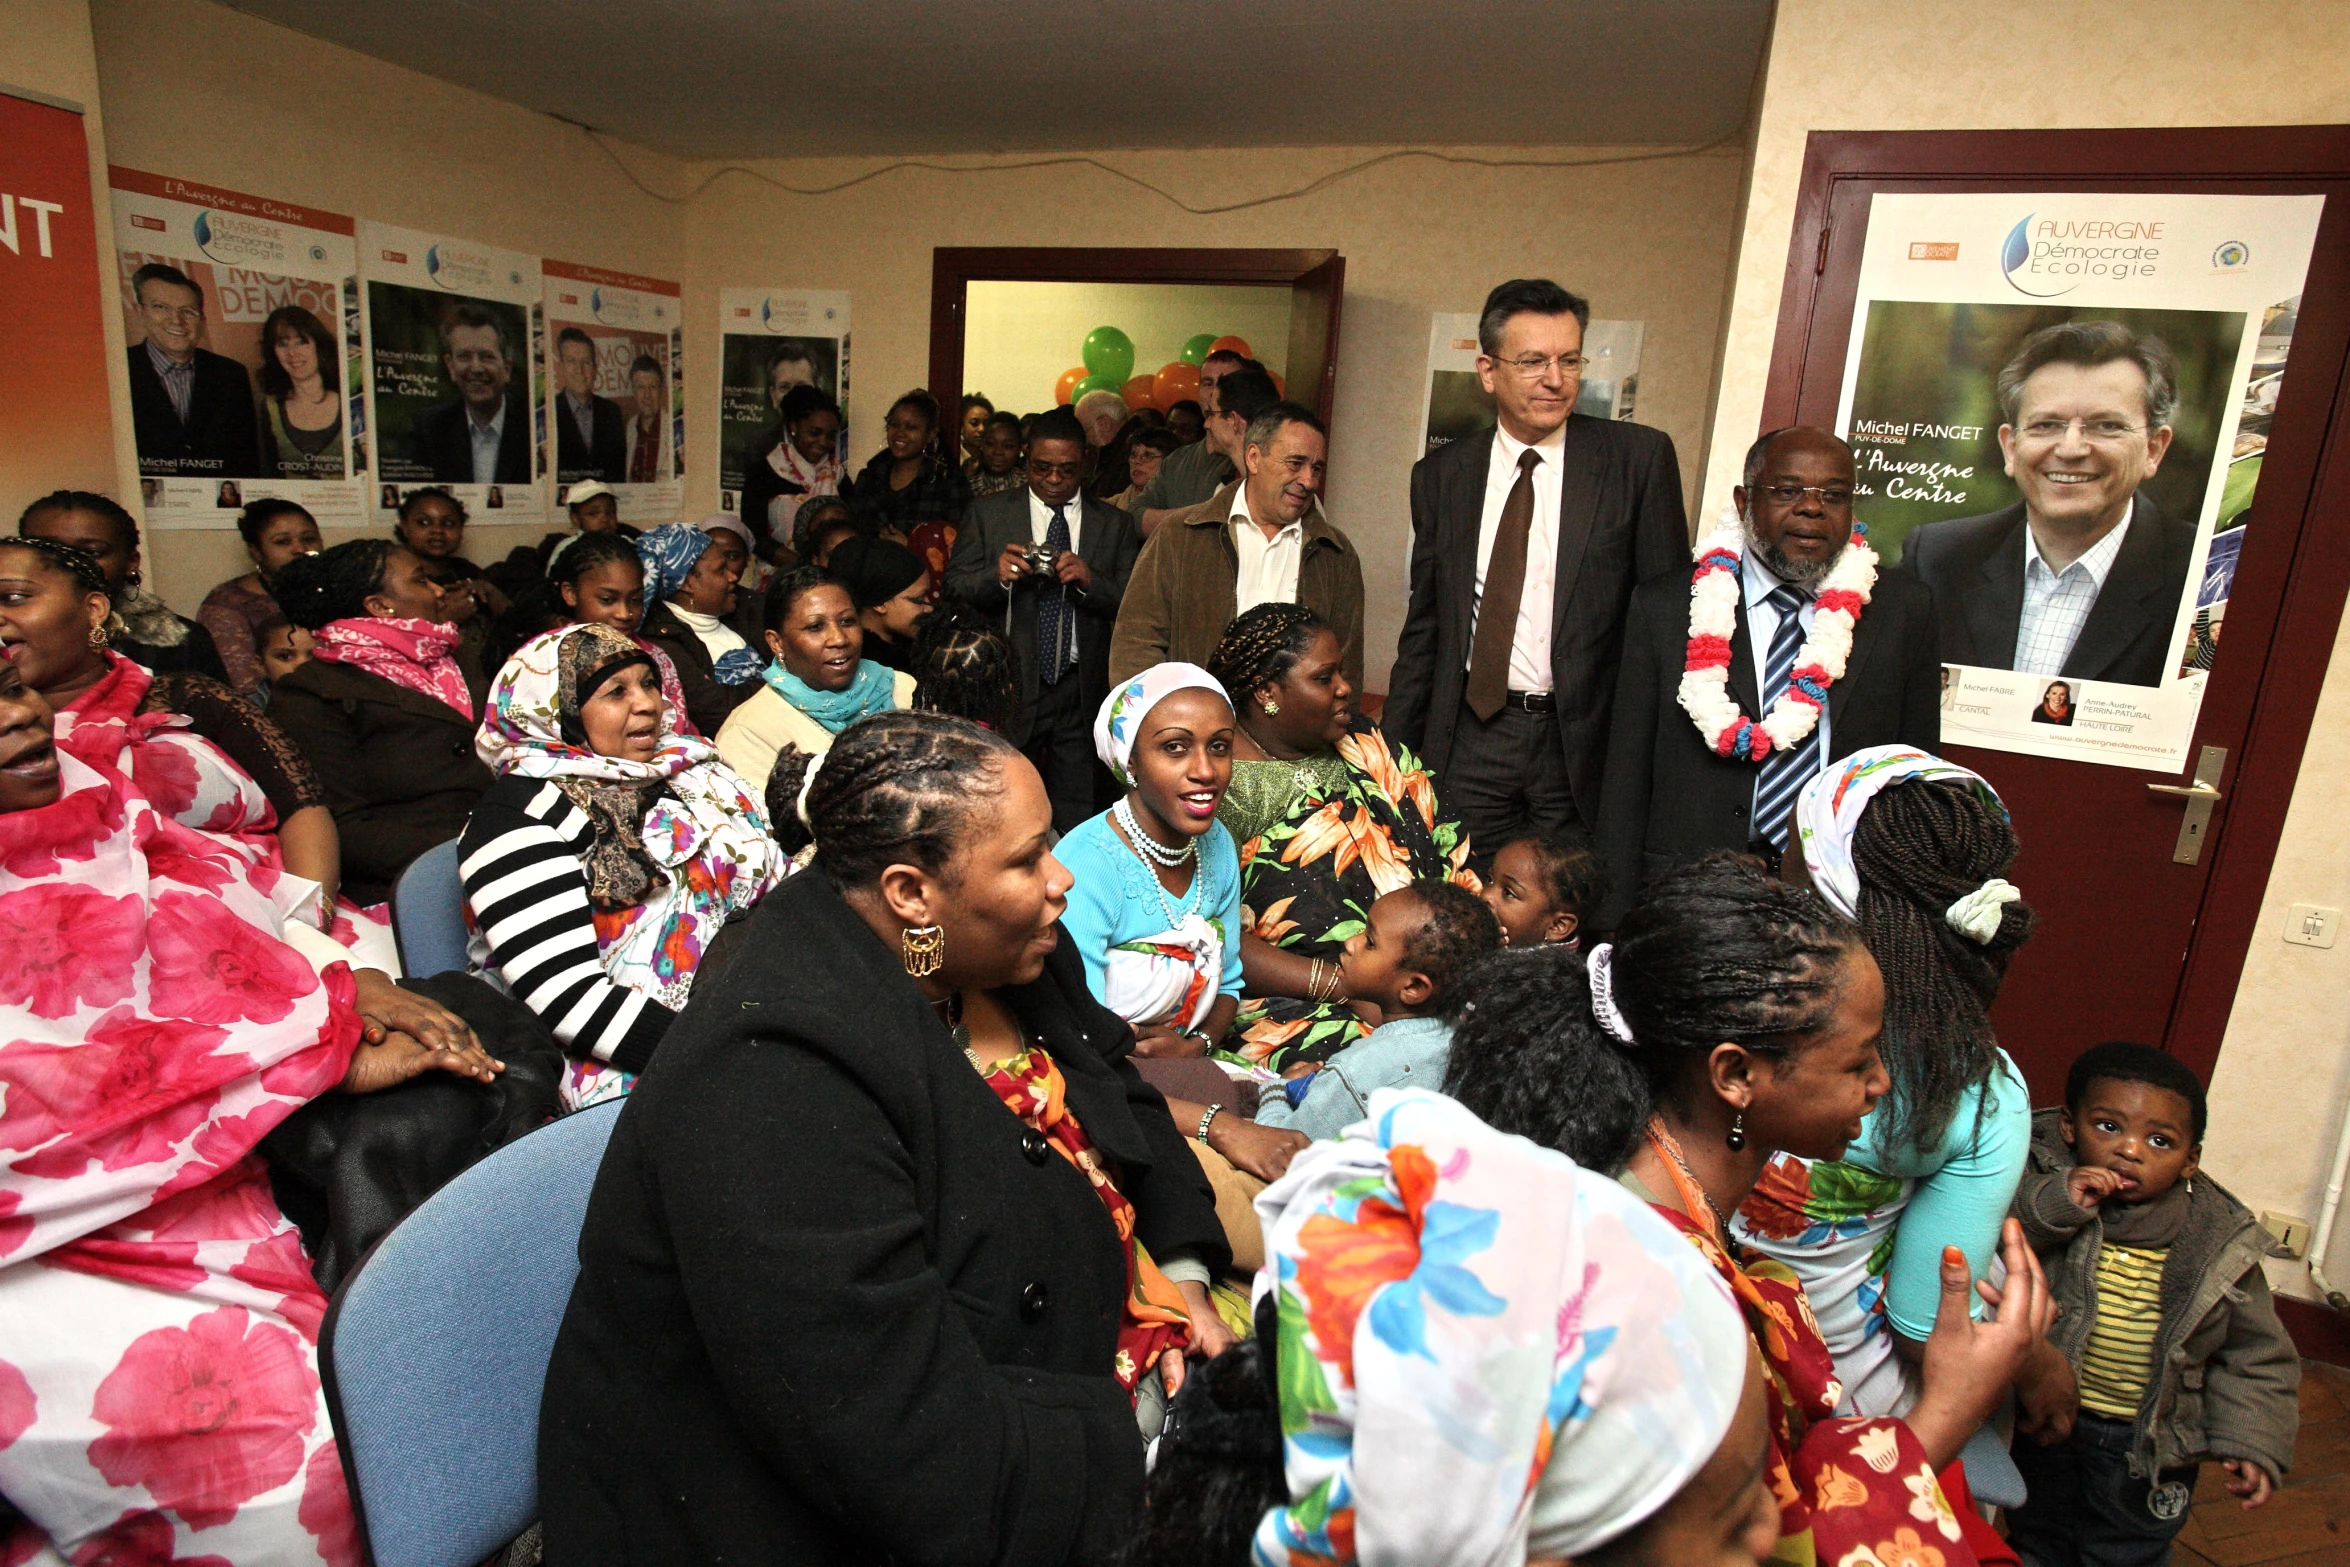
[606,458]
[221,438]
[1107,541]
[1975,565]
[836,1304]
[1620,522]
[440,441]
[1670,798]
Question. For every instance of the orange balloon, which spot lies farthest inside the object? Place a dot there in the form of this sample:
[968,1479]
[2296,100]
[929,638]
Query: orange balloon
[1233,345]
[1140,392]
[1175,382]
[1069,378]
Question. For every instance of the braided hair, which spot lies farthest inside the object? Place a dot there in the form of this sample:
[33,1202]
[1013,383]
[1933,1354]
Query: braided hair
[1716,952]
[78,563]
[333,584]
[588,552]
[964,668]
[1457,931]
[1918,849]
[895,788]
[126,530]
[1262,645]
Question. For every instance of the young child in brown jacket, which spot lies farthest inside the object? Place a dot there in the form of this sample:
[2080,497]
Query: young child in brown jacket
[2165,1317]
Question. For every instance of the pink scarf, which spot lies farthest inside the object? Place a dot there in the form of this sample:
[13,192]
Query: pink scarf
[411,653]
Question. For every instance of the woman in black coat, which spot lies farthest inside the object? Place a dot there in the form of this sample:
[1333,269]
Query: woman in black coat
[837,1301]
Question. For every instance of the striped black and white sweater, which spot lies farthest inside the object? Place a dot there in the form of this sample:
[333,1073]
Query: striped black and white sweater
[522,862]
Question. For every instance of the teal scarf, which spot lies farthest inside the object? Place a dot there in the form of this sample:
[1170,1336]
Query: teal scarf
[866,695]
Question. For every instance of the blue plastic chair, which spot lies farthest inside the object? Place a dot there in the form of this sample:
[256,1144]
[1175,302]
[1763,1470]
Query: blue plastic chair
[436,1348]
[428,913]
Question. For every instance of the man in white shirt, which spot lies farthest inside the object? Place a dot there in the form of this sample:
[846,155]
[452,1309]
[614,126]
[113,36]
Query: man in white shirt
[483,437]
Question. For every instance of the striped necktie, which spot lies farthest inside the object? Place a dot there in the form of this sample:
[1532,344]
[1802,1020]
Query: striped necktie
[1783,773]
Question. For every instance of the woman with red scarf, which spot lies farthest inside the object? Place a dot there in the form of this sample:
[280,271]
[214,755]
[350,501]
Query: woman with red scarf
[383,711]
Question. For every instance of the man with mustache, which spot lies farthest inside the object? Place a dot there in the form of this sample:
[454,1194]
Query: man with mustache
[1670,794]
[1262,539]
[2082,577]
[484,437]
[191,409]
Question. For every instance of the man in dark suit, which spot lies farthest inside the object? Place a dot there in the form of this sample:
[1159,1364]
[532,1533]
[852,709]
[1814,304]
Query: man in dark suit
[484,437]
[591,433]
[1670,796]
[1551,520]
[1060,614]
[2082,577]
[191,409]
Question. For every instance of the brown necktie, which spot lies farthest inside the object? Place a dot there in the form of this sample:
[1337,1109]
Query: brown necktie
[1505,583]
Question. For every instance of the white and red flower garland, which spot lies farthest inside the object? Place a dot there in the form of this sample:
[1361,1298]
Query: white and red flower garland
[1714,592]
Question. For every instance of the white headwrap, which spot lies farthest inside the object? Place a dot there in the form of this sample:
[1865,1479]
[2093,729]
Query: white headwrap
[1828,813]
[1118,724]
[1456,1303]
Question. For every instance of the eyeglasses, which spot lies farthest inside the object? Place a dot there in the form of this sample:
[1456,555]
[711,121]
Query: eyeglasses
[1533,366]
[1833,496]
[2104,432]
[1051,470]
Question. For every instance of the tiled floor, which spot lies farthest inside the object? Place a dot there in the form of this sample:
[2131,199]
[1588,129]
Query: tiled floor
[2306,1524]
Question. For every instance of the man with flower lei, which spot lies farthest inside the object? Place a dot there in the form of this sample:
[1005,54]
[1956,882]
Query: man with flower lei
[1782,650]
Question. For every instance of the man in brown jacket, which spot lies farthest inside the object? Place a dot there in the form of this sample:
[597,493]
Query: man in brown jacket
[1260,539]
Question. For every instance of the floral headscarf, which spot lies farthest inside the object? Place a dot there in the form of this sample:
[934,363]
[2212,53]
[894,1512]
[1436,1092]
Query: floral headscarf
[1486,1351]
[682,843]
[668,553]
[1119,723]
[1828,811]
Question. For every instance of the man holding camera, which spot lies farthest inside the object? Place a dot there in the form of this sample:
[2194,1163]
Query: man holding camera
[1053,566]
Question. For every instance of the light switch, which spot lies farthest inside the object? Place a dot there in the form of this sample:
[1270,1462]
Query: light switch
[2310,925]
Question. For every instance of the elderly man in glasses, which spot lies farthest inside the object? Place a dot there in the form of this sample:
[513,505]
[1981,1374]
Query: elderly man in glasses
[1686,778]
[2081,577]
[1527,541]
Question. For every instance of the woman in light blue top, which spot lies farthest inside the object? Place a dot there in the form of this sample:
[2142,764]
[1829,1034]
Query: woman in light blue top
[1913,849]
[1155,911]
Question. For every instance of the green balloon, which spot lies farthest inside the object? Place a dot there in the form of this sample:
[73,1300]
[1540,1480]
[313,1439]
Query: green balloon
[1195,352]
[1093,383]
[1109,355]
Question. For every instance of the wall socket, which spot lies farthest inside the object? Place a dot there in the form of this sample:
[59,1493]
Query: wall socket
[2312,925]
[2290,1230]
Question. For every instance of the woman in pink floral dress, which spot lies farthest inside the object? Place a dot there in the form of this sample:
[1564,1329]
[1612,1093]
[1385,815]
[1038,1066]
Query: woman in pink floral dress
[159,1394]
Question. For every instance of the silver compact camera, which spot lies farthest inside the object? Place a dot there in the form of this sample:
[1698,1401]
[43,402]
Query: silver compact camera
[1041,558]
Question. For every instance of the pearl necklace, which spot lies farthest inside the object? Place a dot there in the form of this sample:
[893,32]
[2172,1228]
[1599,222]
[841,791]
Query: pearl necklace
[1148,847]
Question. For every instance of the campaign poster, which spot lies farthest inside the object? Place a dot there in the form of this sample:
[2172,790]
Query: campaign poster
[614,393]
[2057,405]
[454,350]
[772,340]
[1459,405]
[242,316]
[56,425]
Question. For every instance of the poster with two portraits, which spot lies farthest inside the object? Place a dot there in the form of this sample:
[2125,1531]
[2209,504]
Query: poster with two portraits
[2057,406]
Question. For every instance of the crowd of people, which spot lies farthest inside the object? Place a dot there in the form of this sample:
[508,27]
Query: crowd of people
[1097,1086]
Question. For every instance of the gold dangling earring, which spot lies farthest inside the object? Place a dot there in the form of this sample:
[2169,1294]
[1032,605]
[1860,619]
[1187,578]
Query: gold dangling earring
[922,949]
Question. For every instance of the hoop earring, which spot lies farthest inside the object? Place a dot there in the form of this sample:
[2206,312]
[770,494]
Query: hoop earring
[922,949]
[1270,708]
[1737,1137]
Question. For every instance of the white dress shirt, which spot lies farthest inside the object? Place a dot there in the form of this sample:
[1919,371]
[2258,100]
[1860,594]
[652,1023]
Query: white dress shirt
[2057,603]
[1755,582]
[1530,647]
[487,438]
[1268,567]
[1040,518]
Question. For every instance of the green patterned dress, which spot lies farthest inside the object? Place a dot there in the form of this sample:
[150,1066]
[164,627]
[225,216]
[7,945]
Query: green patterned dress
[1321,839]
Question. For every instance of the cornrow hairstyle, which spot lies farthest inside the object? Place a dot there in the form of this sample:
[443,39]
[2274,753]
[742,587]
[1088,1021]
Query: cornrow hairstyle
[785,589]
[126,530]
[591,552]
[1919,848]
[965,668]
[1459,930]
[896,788]
[1572,876]
[1528,1057]
[334,584]
[260,514]
[432,492]
[2119,1061]
[1719,952]
[78,563]
[1262,645]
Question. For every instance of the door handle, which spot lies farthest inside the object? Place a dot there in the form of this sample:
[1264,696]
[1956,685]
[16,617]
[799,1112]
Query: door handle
[2200,795]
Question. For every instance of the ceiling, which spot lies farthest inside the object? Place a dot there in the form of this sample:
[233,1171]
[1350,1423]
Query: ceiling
[713,79]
